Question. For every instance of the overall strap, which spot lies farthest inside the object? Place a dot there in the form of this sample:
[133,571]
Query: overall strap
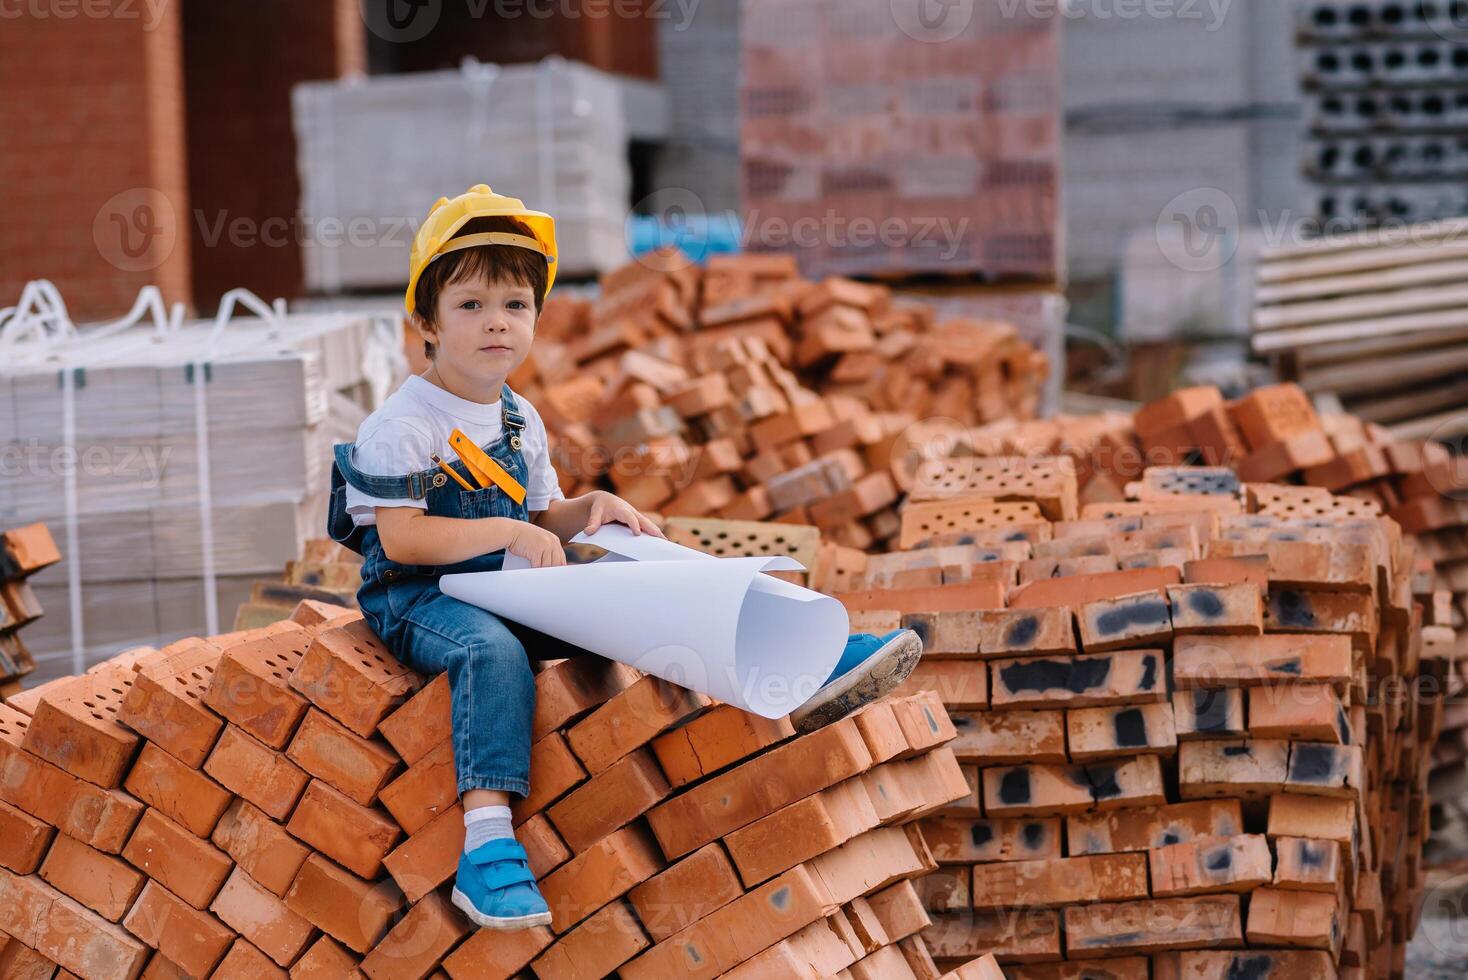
[414,485]
[510,410]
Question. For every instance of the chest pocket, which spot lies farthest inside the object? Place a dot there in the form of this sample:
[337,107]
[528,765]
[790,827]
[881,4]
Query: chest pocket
[453,501]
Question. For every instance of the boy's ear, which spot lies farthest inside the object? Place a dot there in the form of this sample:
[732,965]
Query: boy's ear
[420,323]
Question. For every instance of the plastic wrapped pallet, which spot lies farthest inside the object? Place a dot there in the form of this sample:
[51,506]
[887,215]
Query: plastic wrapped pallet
[175,462]
[553,133]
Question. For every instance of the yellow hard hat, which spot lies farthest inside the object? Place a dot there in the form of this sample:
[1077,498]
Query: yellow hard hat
[436,235]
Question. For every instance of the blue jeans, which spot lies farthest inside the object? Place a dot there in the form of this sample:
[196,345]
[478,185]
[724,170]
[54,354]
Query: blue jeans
[491,685]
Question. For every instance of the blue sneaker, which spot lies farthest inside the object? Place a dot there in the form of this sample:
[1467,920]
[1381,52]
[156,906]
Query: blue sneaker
[870,668]
[496,889]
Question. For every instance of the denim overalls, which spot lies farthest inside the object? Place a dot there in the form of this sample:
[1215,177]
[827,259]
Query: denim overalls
[487,659]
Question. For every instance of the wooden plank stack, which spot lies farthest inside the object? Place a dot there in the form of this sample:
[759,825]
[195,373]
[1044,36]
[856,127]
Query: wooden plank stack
[284,798]
[745,392]
[23,552]
[1378,319]
[1191,725]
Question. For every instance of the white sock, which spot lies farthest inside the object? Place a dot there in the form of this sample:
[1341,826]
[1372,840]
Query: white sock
[485,824]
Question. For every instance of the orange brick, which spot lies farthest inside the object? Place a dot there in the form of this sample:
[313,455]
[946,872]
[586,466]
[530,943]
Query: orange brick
[262,918]
[492,955]
[961,685]
[1140,830]
[630,720]
[420,940]
[23,840]
[183,794]
[1273,414]
[1230,864]
[543,846]
[424,722]
[1118,677]
[1208,712]
[686,892]
[1077,590]
[354,836]
[62,932]
[1043,630]
[554,770]
[430,857]
[252,770]
[194,940]
[245,962]
[1307,865]
[751,923]
[101,818]
[354,912]
[881,731]
[568,690]
[359,767]
[429,787]
[260,846]
[899,910]
[165,704]
[28,549]
[1297,815]
[1000,737]
[103,883]
[602,873]
[609,800]
[775,779]
[966,841]
[1138,620]
[924,722]
[1229,571]
[325,960]
[75,727]
[1103,733]
[350,675]
[1312,712]
[717,738]
[1293,918]
[1107,929]
[801,831]
[943,598]
[251,686]
[595,948]
[189,867]
[1237,608]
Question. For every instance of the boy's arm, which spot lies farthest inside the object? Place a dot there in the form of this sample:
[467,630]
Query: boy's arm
[411,537]
[569,517]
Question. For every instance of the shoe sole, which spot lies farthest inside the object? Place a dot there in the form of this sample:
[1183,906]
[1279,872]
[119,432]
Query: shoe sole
[878,675]
[506,924]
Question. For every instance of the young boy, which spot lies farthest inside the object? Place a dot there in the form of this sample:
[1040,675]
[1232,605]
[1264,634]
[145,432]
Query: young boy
[481,267]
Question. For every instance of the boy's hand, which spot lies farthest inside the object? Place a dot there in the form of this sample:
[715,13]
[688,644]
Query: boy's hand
[608,508]
[537,545]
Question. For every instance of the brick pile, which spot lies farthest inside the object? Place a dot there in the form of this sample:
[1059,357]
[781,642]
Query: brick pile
[284,798]
[23,552]
[1336,466]
[742,391]
[1192,723]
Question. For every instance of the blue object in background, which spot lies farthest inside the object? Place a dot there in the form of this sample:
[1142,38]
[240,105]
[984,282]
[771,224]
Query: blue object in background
[698,235]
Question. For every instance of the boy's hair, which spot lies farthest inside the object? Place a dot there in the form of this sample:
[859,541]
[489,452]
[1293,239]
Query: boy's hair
[493,263]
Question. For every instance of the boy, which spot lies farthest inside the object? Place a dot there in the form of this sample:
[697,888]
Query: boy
[480,269]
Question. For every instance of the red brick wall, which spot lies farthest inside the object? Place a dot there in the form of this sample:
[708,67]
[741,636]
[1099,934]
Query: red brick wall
[92,155]
[242,58]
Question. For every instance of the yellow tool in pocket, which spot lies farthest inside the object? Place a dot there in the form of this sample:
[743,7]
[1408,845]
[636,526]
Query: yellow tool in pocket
[485,470]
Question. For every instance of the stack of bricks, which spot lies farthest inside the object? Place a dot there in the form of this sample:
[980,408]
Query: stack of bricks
[744,392]
[1193,723]
[1335,465]
[325,572]
[281,801]
[23,552]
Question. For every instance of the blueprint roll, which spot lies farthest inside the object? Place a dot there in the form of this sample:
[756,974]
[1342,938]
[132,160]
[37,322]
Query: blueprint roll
[718,626]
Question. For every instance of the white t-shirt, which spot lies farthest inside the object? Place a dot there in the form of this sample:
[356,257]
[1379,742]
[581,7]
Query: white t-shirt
[416,420]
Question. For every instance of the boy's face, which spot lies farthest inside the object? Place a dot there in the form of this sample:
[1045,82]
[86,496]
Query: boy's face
[482,329]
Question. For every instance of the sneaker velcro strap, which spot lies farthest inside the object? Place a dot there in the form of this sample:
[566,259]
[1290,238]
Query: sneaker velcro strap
[504,862]
[503,874]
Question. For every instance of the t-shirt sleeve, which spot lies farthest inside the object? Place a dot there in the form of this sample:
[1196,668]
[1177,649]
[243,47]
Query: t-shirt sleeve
[393,447]
[544,485]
